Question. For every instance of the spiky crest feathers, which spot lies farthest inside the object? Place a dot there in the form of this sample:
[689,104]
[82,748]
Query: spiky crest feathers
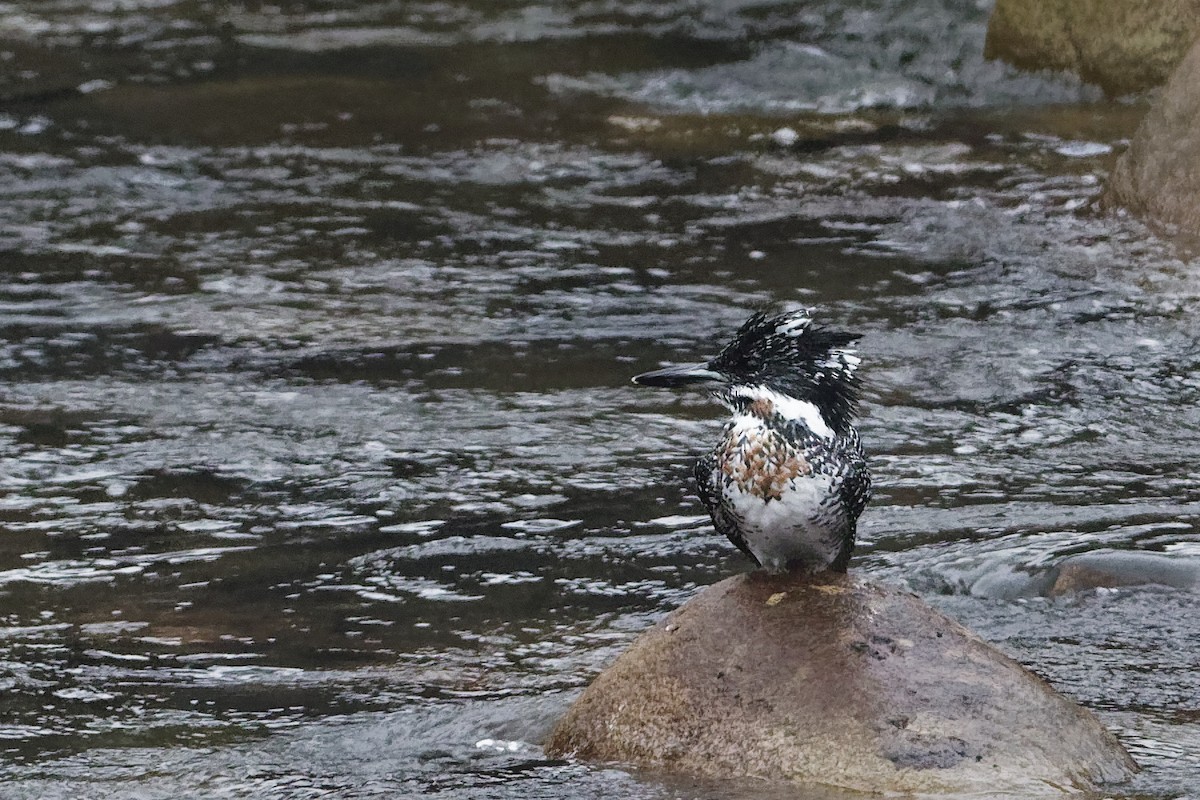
[788,354]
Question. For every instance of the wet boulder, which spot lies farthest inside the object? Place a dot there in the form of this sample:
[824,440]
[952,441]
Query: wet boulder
[1120,45]
[829,680]
[1107,569]
[1158,177]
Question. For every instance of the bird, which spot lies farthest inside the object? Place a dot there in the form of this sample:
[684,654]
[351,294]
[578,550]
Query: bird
[788,479]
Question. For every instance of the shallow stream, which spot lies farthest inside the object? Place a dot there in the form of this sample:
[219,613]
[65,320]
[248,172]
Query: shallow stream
[320,471]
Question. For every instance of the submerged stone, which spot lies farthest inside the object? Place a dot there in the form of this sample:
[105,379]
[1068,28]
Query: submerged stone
[830,680]
[1107,569]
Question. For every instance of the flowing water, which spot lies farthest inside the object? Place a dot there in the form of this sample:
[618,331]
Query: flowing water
[320,471]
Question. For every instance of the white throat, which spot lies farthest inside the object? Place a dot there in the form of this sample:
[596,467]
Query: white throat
[788,407]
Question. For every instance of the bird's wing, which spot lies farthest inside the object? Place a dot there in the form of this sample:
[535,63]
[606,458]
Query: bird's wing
[856,482]
[709,489]
[853,492]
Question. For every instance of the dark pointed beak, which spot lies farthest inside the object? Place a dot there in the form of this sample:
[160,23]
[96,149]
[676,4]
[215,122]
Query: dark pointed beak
[682,375]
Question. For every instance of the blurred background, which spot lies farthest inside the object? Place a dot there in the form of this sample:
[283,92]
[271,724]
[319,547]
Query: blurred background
[320,470]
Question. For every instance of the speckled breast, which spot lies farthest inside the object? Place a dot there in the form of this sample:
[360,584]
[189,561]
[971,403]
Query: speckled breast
[760,462]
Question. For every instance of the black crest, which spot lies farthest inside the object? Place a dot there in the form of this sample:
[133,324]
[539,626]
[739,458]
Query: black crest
[787,353]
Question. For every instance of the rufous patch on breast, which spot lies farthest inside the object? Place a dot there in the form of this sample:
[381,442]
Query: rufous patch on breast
[762,407]
[763,465]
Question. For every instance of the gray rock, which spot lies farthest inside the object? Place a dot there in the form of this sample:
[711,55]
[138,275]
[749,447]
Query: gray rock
[833,681]
[1121,45]
[1158,177]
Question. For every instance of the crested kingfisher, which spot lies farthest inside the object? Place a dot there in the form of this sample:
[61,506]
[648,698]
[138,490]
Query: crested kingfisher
[788,479]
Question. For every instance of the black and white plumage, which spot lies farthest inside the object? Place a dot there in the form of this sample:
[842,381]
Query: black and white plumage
[788,479]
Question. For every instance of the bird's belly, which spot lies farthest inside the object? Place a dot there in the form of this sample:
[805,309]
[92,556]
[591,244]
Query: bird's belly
[788,528]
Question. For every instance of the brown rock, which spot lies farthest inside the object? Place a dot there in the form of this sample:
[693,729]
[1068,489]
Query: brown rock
[1113,568]
[1121,45]
[829,680]
[1158,177]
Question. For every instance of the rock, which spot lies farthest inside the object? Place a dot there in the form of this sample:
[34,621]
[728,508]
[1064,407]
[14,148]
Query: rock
[1158,177]
[1112,568]
[1121,45]
[834,681]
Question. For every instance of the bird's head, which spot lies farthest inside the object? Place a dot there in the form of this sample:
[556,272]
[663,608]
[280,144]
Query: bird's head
[782,355]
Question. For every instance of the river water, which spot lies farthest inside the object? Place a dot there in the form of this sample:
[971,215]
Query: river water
[320,471]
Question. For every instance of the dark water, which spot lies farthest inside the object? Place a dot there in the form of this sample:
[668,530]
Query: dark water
[320,474]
